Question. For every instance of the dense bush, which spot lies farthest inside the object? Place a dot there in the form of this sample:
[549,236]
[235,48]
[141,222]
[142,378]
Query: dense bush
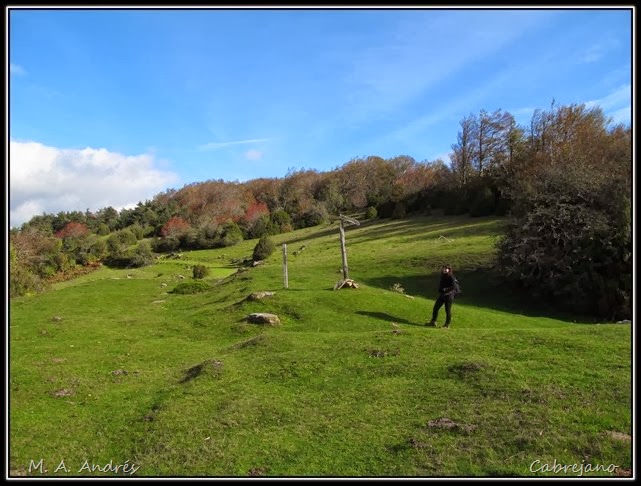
[570,237]
[263,249]
[371,213]
[23,281]
[195,287]
[118,242]
[162,245]
[103,229]
[312,217]
[281,218]
[262,225]
[200,271]
[142,255]
[232,235]
[137,231]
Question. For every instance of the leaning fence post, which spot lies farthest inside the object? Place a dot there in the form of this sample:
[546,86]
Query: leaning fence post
[345,219]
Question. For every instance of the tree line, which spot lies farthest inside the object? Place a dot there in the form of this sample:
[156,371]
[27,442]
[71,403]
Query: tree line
[563,180]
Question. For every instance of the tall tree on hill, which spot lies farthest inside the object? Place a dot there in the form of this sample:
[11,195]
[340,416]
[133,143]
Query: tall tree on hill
[327,189]
[265,190]
[353,178]
[296,191]
[463,151]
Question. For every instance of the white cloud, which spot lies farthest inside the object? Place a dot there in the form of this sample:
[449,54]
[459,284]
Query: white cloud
[49,179]
[253,154]
[617,105]
[621,95]
[622,115]
[217,145]
[17,70]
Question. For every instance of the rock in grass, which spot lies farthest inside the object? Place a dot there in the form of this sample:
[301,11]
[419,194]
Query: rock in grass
[263,318]
[447,424]
[259,295]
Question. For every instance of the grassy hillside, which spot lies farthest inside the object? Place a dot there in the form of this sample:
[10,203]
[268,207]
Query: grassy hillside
[114,367]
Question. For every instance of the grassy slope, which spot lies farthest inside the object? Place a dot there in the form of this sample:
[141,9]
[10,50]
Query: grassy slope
[330,392]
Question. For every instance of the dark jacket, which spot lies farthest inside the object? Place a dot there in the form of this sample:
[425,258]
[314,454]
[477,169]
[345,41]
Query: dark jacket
[447,286]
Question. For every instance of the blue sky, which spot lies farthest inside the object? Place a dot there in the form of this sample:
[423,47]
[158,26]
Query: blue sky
[111,107]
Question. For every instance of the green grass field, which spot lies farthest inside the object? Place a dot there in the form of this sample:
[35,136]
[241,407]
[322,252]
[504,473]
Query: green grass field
[113,368]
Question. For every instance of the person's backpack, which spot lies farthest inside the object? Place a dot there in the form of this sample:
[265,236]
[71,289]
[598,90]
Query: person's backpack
[457,287]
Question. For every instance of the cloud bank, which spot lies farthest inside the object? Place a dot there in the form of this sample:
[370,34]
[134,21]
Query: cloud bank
[44,179]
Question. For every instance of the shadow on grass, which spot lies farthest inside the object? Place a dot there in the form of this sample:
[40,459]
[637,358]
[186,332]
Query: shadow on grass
[387,317]
[481,288]
[448,226]
[416,228]
[428,228]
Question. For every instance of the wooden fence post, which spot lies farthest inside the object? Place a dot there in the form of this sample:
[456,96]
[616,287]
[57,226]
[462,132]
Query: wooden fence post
[285,276]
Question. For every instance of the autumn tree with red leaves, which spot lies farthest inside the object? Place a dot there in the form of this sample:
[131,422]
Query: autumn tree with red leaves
[175,227]
[73,230]
[256,221]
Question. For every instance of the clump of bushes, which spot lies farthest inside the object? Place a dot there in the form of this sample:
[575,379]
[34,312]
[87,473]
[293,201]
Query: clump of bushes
[264,248]
[194,287]
[313,216]
[372,213]
[200,271]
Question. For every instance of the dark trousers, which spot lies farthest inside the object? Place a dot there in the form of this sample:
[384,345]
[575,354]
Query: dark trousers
[443,299]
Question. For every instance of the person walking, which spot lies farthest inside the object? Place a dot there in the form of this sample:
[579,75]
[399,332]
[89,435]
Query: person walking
[447,288]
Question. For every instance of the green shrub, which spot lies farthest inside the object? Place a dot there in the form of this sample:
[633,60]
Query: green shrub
[99,249]
[371,213]
[194,287]
[142,255]
[281,218]
[23,281]
[570,243]
[200,271]
[166,244]
[103,229]
[137,231]
[264,248]
[313,216]
[232,234]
